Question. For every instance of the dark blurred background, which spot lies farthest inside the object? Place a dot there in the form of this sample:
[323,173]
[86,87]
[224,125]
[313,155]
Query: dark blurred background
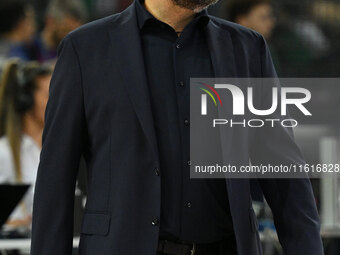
[303,35]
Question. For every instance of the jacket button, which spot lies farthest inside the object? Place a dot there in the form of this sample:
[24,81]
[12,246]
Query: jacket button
[157,171]
[155,222]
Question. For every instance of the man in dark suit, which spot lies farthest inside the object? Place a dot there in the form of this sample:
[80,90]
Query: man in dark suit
[119,96]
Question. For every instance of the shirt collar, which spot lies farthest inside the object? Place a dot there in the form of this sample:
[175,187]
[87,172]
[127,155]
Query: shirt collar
[143,15]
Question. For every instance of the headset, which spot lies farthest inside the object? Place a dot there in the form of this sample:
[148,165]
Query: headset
[24,93]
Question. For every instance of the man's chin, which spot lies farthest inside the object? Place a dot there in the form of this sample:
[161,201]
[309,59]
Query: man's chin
[195,6]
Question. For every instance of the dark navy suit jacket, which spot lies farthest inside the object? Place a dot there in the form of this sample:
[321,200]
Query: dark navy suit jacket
[99,106]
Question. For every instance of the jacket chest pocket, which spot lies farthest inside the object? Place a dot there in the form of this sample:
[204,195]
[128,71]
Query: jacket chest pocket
[96,223]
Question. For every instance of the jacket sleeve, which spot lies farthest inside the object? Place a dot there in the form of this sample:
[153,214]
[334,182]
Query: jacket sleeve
[62,143]
[291,199]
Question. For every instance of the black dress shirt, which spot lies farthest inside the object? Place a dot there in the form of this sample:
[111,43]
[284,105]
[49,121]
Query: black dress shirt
[191,209]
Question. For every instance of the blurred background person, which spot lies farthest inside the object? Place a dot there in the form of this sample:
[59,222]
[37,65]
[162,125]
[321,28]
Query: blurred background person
[107,7]
[101,8]
[24,92]
[255,14]
[62,16]
[17,28]
[297,43]
[302,41]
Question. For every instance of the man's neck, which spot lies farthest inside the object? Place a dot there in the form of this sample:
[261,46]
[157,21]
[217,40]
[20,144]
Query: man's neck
[168,12]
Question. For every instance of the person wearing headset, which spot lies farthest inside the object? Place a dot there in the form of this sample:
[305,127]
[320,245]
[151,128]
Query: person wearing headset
[23,97]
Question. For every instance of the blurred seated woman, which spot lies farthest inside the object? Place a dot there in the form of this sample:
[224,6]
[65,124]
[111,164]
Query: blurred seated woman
[24,90]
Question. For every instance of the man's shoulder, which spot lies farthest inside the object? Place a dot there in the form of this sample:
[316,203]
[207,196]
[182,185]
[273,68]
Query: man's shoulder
[96,31]
[99,26]
[234,29]
[94,28]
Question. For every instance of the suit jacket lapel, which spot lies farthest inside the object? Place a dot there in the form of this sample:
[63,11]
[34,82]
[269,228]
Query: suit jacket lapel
[126,43]
[221,50]
[223,60]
